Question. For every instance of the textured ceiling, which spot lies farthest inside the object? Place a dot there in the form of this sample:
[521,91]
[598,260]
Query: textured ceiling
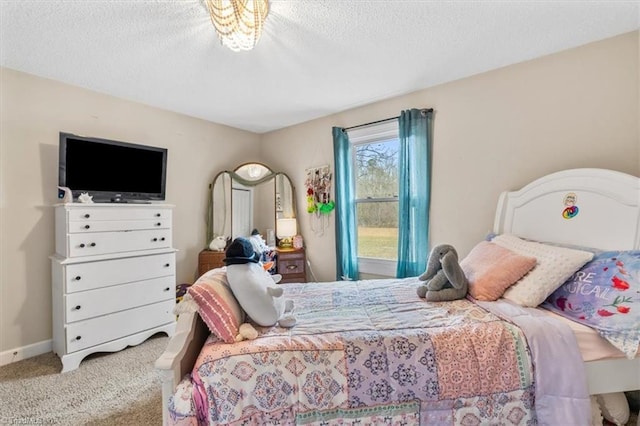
[316,57]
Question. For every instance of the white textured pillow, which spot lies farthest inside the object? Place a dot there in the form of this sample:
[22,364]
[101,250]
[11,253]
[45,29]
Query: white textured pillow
[596,414]
[554,266]
[615,407]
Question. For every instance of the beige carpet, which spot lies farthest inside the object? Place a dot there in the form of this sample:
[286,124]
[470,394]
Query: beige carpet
[120,388]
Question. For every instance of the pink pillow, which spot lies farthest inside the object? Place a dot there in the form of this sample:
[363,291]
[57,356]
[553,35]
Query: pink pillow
[491,269]
[217,306]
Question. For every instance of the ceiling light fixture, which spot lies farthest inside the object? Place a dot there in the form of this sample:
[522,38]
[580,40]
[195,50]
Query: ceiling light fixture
[254,171]
[238,22]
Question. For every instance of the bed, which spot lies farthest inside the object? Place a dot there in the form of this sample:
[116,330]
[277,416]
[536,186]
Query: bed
[372,351]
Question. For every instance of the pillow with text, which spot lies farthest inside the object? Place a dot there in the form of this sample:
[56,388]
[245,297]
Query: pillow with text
[604,295]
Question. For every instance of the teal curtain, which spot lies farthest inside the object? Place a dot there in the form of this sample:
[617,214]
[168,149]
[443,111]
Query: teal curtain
[346,250]
[414,192]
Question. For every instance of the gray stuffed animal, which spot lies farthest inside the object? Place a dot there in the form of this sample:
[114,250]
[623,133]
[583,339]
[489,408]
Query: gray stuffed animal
[445,279]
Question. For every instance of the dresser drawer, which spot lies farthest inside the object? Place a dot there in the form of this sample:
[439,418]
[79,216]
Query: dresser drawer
[87,333]
[113,213]
[291,264]
[208,260]
[293,278]
[92,275]
[118,225]
[93,303]
[95,243]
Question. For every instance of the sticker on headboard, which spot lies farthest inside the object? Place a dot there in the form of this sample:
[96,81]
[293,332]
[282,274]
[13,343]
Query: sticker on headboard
[571,210]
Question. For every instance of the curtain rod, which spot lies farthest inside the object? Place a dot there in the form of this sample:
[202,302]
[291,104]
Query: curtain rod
[426,110]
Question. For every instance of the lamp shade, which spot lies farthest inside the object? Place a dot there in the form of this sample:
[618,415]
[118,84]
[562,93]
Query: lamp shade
[286,228]
[238,22]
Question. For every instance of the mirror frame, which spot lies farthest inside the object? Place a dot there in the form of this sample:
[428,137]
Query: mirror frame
[251,183]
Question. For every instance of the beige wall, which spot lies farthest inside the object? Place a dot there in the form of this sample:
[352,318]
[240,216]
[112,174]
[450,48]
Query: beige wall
[33,111]
[493,132]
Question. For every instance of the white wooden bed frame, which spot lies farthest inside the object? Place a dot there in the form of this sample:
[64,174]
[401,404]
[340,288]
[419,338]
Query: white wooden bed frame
[608,218]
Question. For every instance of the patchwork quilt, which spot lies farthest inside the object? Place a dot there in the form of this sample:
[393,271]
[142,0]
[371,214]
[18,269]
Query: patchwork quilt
[369,352]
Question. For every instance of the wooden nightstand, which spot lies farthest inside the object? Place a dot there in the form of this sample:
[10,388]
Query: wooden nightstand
[208,260]
[291,264]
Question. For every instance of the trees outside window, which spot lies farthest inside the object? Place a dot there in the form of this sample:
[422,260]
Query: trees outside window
[376,192]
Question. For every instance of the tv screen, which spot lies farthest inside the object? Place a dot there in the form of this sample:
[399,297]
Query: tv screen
[111,171]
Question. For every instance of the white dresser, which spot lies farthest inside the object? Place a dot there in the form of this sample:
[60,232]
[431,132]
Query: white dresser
[114,278]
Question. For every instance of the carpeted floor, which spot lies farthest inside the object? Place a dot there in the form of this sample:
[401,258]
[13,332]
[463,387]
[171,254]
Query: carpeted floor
[121,388]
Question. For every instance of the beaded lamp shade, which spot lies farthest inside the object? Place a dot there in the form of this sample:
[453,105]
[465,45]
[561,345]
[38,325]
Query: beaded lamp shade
[238,22]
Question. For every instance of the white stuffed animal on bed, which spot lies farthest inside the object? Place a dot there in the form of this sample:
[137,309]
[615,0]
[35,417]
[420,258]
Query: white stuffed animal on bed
[254,288]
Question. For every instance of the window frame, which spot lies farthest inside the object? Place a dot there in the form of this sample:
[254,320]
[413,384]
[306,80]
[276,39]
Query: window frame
[379,132]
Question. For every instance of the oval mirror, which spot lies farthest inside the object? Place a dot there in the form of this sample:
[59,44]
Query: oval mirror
[250,197]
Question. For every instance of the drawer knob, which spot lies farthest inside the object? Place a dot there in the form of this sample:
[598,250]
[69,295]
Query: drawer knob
[154,240]
[87,226]
[77,308]
[87,216]
[78,278]
[92,244]
[82,245]
[78,337]
[162,239]
[292,267]
[157,214]
[167,288]
[158,223]
[166,265]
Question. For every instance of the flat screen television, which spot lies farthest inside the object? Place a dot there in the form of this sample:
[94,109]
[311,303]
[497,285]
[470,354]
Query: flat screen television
[112,171]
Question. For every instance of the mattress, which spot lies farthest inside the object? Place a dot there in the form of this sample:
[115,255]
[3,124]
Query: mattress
[592,346]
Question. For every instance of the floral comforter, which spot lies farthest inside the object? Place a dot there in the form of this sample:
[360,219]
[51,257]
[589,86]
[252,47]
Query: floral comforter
[372,352]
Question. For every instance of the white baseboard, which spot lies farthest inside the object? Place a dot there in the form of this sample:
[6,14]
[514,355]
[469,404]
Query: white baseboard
[24,352]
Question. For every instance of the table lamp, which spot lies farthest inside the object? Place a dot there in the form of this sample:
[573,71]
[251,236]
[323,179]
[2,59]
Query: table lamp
[286,229]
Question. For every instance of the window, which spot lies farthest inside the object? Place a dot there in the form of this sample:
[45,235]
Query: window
[376,146]
[375,174]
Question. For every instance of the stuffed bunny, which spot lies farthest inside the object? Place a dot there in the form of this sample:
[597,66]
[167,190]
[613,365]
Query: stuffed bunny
[218,243]
[445,279]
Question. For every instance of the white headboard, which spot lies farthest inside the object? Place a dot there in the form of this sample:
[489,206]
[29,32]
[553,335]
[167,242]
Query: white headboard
[604,215]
